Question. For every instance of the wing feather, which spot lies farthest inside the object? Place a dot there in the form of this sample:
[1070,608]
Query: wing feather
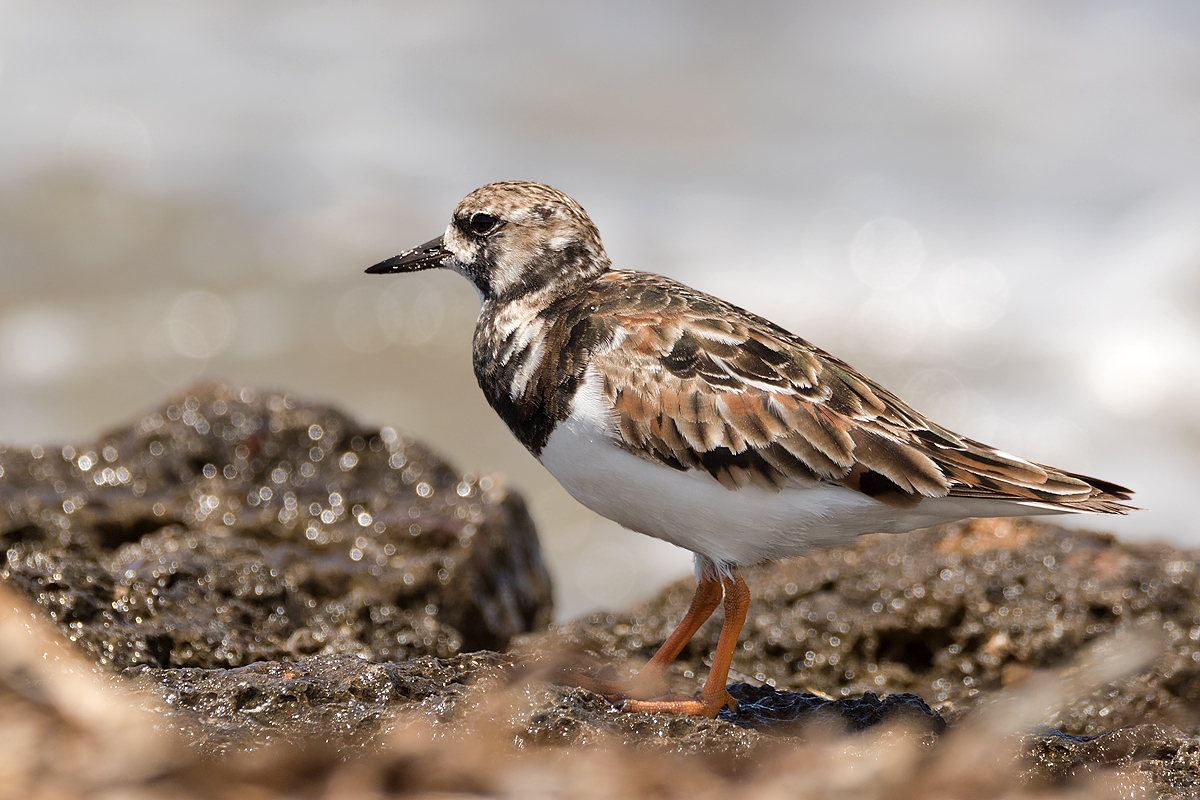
[706,385]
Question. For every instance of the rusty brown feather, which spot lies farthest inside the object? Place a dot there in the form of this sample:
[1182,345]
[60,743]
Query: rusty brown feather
[697,383]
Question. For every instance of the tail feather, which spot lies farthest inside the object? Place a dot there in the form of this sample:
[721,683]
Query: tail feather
[1104,497]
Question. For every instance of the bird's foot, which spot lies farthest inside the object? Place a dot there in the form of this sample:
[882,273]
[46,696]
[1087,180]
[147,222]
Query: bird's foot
[650,694]
[701,706]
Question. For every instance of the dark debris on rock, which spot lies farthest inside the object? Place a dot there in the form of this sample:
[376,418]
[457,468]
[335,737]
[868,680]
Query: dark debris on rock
[765,708]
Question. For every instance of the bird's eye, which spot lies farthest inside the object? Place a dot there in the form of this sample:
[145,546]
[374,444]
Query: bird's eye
[483,223]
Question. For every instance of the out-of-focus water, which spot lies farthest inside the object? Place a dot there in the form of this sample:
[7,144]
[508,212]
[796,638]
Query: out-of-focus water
[991,207]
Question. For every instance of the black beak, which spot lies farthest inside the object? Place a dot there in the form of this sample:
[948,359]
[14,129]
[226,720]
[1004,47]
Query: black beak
[427,256]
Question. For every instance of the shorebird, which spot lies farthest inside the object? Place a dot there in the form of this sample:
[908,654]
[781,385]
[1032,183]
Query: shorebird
[684,417]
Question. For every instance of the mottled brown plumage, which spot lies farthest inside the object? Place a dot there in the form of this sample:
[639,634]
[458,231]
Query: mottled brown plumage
[697,383]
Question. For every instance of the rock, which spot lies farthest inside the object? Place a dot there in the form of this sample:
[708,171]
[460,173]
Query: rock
[338,699]
[951,614]
[341,702]
[348,702]
[1167,756]
[232,526]
[285,588]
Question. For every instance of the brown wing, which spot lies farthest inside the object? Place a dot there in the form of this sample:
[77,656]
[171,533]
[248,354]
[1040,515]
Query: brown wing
[700,384]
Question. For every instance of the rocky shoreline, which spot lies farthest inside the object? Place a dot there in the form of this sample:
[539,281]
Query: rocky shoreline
[261,591]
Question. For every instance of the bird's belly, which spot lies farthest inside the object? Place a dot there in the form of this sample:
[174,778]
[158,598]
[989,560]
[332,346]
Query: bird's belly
[741,526]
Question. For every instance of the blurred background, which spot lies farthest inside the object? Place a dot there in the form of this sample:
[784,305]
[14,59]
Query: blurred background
[993,208]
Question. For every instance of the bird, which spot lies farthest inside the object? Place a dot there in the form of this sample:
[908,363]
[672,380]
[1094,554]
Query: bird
[684,417]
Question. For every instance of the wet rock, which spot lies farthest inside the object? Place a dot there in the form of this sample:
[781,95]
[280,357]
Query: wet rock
[232,526]
[951,614]
[339,700]
[1166,756]
[279,575]
[347,702]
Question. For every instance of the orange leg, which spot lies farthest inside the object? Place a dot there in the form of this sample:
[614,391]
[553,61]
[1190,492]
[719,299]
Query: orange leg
[649,682]
[713,697]
[647,691]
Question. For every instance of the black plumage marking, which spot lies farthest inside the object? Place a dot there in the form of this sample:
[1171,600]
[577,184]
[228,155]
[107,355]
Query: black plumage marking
[682,359]
[873,484]
[938,439]
[571,335]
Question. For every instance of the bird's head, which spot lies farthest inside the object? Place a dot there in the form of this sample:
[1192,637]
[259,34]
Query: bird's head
[511,239]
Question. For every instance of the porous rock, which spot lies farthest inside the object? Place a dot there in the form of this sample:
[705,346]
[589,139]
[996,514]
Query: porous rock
[276,572]
[951,614]
[345,701]
[231,526]
[1167,757]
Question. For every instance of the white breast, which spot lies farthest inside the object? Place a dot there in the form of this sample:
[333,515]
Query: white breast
[692,510]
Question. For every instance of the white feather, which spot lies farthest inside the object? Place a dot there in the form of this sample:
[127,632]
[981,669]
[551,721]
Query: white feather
[524,373]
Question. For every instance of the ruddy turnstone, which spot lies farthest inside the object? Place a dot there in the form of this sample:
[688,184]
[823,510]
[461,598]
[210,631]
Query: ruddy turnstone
[686,418]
